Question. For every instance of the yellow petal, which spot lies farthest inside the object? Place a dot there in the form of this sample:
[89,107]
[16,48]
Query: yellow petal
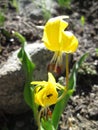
[46,96]
[52,33]
[59,86]
[51,78]
[39,82]
[69,42]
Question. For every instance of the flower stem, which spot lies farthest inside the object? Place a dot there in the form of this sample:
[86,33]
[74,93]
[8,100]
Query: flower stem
[67,77]
[67,70]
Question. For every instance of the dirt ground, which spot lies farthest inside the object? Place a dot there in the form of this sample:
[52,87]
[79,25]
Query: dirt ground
[82,110]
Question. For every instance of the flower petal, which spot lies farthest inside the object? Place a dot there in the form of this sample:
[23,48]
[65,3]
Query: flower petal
[39,82]
[52,33]
[51,78]
[69,42]
[46,96]
[59,86]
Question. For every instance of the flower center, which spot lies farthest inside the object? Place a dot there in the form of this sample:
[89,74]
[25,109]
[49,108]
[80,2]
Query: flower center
[49,95]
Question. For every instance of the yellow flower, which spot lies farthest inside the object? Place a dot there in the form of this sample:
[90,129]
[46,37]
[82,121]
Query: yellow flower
[46,92]
[58,40]
[52,33]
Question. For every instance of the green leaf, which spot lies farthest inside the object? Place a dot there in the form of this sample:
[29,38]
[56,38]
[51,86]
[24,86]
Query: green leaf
[28,67]
[59,107]
[72,79]
[27,64]
[82,20]
[20,37]
[28,95]
[47,125]
[2,19]
[24,57]
[65,3]
[96,50]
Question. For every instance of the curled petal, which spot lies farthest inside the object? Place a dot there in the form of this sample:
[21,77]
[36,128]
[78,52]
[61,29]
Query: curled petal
[52,33]
[69,42]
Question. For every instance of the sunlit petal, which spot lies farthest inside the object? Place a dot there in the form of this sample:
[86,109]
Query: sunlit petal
[46,93]
[51,78]
[39,82]
[52,33]
[69,42]
[59,86]
[46,96]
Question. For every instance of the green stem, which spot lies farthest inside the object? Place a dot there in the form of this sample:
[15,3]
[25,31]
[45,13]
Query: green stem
[39,118]
[67,70]
[67,78]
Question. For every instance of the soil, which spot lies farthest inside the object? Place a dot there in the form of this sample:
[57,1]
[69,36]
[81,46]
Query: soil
[81,112]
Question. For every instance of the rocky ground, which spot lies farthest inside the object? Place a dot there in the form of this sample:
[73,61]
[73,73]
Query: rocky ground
[82,110]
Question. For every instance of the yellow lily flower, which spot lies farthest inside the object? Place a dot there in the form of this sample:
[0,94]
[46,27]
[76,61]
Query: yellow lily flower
[46,91]
[58,40]
[52,33]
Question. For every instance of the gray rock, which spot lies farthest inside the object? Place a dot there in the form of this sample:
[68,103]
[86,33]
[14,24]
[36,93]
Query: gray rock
[12,77]
[37,9]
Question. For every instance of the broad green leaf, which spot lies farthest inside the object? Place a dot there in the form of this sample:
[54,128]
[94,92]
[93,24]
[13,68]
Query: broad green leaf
[28,95]
[27,64]
[59,108]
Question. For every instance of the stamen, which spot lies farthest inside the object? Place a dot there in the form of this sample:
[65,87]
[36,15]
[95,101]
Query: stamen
[55,64]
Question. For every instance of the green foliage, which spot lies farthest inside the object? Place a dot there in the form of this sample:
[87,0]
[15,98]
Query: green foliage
[72,80]
[15,4]
[27,64]
[59,108]
[82,20]
[46,12]
[2,18]
[28,67]
[65,3]
[96,50]
[47,125]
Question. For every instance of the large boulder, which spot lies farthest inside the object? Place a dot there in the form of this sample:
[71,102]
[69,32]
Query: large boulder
[12,77]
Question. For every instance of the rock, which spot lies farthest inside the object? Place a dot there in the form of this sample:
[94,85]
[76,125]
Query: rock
[38,9]
[12,77]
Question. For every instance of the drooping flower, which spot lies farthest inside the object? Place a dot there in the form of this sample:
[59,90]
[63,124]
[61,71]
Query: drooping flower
[58,40]
[46,91]
[52,33]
